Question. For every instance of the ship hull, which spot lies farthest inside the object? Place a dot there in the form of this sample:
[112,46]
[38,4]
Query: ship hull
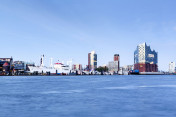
[48,70]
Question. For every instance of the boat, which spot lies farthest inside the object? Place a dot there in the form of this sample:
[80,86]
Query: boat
[134,72]
[57,68]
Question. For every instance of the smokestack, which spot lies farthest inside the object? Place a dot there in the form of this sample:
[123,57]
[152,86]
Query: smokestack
[41,61]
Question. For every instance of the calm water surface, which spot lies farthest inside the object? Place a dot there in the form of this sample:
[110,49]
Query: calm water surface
[88,96]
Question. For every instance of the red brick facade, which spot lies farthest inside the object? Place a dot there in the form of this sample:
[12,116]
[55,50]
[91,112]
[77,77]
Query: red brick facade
[89,66]
[146,67]
[116,57]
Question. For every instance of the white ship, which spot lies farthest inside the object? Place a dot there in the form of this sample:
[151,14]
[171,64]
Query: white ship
[57,68]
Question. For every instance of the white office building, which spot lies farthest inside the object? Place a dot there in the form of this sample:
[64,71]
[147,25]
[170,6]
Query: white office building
[172,67]
[113,66]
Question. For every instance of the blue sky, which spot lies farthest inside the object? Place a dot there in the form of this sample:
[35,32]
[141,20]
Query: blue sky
[64,29]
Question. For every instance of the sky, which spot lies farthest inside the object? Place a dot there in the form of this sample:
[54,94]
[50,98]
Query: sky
[70,29]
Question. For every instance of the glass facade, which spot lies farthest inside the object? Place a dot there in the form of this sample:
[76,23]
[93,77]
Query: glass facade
[144,54]
[95,60]
[19,65]
[92,60]
[145,60]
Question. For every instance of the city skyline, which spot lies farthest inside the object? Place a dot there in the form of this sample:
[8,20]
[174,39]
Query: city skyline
[71,29]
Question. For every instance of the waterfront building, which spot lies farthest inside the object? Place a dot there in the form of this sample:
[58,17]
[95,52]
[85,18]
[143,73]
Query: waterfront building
[92,60]
[76,67]
[19,66]
[6,65]
[22,65]
[113,66]
[128,67]
[172,67]
[145,60]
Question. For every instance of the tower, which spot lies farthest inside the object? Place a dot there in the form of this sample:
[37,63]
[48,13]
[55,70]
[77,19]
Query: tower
[42,61]
[92,60]
[116,57]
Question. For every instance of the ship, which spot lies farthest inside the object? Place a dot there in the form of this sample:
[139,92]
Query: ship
[57,68]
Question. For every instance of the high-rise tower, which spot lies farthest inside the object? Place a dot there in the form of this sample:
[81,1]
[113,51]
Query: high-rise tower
[92,60]
[116,57]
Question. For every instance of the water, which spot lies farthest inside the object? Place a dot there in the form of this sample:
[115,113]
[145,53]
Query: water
[88,96]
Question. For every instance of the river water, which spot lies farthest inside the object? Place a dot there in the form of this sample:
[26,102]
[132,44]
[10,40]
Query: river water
[88,96]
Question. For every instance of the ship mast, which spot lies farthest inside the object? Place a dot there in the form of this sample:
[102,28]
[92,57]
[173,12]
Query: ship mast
[41,61]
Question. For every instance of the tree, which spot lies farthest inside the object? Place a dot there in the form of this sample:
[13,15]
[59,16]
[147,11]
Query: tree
[102,69]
